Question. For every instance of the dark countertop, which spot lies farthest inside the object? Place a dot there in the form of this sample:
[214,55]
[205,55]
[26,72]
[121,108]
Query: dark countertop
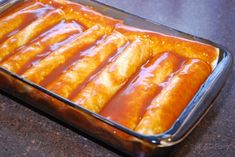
[25,132]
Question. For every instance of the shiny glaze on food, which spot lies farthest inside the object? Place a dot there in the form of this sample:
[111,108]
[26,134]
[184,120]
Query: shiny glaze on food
[140,79]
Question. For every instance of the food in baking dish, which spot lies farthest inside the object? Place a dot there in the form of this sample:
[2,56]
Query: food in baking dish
[140,79]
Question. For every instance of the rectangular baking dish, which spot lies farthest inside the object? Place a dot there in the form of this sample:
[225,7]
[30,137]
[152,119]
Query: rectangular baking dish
[93,124]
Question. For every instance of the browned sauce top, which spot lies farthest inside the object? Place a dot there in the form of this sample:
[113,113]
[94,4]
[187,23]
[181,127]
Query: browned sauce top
[93,59]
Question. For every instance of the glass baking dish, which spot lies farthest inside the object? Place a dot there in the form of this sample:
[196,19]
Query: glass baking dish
[130,142]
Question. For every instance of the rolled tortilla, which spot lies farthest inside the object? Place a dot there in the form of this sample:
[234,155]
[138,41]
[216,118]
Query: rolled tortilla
[128,106]
[18,7]
[162,43]
[89,62]
[57,34]
[168,105]
[100,90]
[17,19]
[29,32]
[63,54]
